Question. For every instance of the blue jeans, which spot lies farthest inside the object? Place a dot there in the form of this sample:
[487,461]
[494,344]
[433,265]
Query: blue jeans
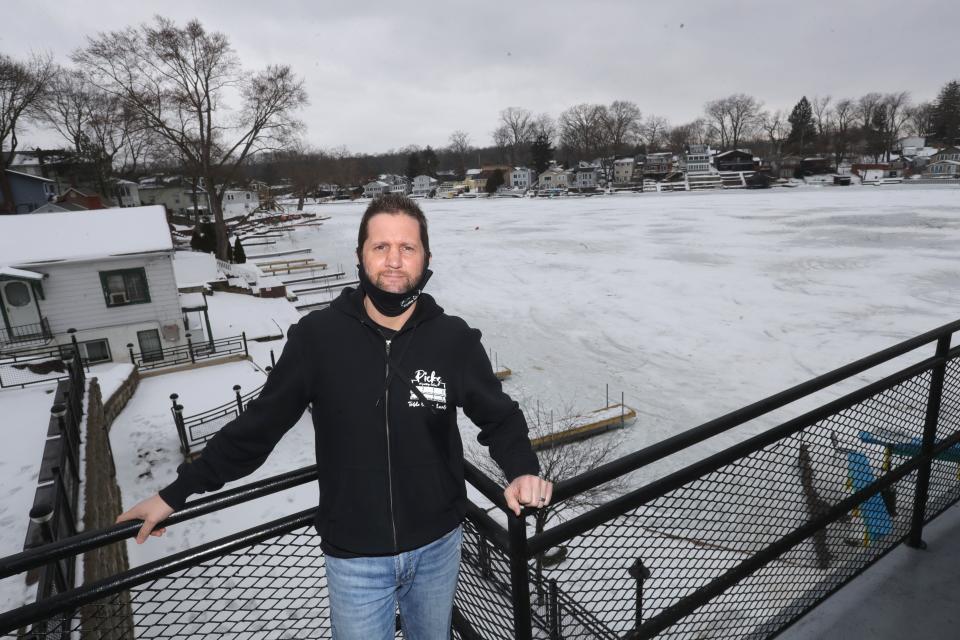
[365,592]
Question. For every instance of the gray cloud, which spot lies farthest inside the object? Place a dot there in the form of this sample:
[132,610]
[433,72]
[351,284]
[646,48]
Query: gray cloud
[384,75]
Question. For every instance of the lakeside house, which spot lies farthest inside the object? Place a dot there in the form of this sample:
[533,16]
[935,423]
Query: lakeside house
[424,186]
[107,273]
[28,191]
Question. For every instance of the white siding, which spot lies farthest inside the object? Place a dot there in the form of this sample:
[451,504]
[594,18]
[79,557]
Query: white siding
[73,298]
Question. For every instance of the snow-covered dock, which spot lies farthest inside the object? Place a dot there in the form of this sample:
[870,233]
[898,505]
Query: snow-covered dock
[584,426]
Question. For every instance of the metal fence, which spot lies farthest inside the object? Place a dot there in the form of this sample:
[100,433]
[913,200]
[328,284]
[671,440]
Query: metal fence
[738,544]
[194,430]
[191,352]
[38,366]
[36,333]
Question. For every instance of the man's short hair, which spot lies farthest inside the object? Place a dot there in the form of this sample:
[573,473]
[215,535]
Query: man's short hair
[395,203]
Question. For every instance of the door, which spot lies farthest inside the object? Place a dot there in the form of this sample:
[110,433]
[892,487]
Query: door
[150,348]
[20,312]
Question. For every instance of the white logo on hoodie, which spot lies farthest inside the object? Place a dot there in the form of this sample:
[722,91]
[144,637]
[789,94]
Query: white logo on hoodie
[432,386]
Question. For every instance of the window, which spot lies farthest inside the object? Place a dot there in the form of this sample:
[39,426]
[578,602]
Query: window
[94,351]
[125,286]
[18,295]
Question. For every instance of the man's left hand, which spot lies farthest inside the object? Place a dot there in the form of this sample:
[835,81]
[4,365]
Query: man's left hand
[528,491]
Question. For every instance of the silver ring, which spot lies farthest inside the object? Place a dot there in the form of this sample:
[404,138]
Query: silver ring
[543,499]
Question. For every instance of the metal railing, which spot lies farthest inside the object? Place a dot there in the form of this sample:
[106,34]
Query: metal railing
[26,334]
[740,543]
[191,352]
[194,431]
[39,365]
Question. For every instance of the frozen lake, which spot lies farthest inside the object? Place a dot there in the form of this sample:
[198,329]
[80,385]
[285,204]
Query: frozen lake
[692,304]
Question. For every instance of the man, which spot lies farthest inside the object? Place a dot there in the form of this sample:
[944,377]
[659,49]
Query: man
[384,369]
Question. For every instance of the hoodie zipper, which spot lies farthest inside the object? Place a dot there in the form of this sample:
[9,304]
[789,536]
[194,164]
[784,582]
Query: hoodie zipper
[386,420]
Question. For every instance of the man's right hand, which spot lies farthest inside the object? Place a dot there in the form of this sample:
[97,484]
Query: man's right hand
[152,511]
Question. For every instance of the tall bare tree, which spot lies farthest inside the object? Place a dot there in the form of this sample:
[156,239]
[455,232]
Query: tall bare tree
[582,130]
[733,118]
[502,141]
[844,118]
[621,123]
[459,148]
[920,119]
[897,106]
[22,85]
[518,123]
[177,81]
[821,113]
[653,131]
[774,125]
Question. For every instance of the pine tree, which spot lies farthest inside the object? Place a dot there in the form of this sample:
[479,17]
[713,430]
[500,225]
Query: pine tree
[541,152]
[946,114]
[413,165]
[239,255]
[803,128]
[495,181]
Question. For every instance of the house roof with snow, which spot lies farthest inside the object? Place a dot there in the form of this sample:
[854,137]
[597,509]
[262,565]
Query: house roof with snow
[28,175]
[74,236]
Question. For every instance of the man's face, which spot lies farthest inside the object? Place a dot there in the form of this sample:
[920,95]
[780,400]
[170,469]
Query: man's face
[392,254]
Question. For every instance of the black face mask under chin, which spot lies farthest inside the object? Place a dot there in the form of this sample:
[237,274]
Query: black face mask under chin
[386,302]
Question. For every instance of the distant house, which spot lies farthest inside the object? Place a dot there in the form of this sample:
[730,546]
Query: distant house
[585,177]
[623,169]
[106,273]
[375,188]
[697,159]
[522,178]
[734,160]
[949,153]
[58,207]
[238,202]
[424,186]
[176,194]
[658,164]
[942,169]
[29,192]
[126,193]
[85,198]
[553,177]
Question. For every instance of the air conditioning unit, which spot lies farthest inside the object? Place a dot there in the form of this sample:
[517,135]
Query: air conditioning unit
[118,298]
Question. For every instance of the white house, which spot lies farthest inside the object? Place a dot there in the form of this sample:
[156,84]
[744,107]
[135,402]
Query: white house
[424,185]
[553,177]
[623,170]
[107,273]
[237,203]
[942,169]
[585,177]
[375,188]
[126,193]
[697,159]
[522,178]
[176,194]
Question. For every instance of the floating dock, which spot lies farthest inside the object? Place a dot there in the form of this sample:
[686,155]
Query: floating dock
[590,424]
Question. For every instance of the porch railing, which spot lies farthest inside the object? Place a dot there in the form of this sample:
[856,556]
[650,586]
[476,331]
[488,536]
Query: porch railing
[191,352]
[739,543]
[36,333]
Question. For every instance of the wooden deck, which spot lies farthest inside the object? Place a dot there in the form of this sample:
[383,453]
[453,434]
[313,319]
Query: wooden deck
[591,424]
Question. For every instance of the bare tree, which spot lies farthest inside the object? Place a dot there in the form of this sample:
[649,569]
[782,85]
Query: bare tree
[562,462]
[518,123]
[544,125]
[897,107]
[459,148]
[621,123]
[920,119]
[821,113]
[654,131]
[176,80]
[581,129]
[22,84]
[502,140]
[732,118]
[66,105]
[844,117]
[775,127]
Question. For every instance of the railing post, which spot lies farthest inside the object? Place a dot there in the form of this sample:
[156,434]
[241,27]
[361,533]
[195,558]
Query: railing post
[639,573]
[177,411]
[245,351]
[69,439]
[937,374]
[73,340]
[190,349]
[273,359]
[236,392]
[519,578]
[556,624]
[130,352]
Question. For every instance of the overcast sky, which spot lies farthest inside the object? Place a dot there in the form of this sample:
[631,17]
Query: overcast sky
[386,75]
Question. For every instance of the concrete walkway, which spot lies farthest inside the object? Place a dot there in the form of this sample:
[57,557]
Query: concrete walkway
[907,594]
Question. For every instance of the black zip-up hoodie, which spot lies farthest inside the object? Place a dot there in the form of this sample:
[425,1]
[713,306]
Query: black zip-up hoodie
[390,468]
